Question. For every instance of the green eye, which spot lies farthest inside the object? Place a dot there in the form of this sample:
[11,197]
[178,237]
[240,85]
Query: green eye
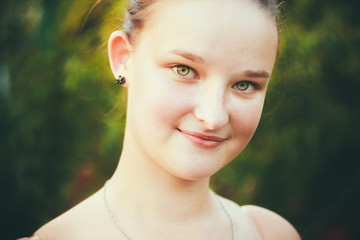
[244,86]
[184,71]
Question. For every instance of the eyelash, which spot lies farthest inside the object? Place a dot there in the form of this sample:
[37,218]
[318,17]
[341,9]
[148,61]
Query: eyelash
[190,70]
[252,85]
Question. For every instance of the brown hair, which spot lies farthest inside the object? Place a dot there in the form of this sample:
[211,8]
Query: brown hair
[139,10]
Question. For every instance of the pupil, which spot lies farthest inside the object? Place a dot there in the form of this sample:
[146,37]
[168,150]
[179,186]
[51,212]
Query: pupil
[243,85]
[183,70]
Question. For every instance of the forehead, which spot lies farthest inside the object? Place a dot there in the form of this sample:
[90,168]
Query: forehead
[216,30]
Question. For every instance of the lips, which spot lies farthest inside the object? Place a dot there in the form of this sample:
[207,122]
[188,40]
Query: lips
[202,140]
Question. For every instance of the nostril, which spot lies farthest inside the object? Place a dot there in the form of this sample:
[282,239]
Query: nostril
[212,118]
[211,106]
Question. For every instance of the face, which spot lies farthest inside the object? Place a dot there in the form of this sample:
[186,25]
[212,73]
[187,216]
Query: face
[197,80]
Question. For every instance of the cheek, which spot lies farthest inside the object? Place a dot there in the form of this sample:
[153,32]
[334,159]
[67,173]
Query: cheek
[171,104]
[161,101]
[246,119]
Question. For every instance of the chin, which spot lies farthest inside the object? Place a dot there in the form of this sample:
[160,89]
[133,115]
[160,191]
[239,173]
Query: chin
[195,175]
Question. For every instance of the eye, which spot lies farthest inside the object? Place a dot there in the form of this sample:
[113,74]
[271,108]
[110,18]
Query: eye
[245,86]
[184,71]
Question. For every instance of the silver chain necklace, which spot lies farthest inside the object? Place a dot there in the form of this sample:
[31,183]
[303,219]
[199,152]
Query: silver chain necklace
[117,225]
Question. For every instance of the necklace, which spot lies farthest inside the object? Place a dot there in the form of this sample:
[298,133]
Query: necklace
[117,225]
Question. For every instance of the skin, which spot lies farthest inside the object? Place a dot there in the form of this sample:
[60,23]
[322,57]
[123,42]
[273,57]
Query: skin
[205,101]
[196,86]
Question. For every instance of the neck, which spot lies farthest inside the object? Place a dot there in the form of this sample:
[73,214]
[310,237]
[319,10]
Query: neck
[151,193]
[146,200]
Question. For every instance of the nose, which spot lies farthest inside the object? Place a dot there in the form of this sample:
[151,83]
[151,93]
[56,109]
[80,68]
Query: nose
[211,109]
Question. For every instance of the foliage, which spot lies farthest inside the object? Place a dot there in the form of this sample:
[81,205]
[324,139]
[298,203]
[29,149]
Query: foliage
[61,118]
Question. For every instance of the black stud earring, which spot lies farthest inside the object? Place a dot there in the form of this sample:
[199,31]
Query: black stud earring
[120,80]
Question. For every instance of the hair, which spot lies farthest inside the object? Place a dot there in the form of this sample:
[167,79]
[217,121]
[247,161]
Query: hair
[139,11]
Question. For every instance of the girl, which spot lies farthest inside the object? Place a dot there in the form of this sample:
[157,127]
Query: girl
[197,73]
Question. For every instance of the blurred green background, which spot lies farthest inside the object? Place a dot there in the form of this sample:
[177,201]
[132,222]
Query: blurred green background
[62,116]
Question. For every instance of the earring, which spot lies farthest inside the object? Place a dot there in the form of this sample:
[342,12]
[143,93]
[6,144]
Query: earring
[120,80]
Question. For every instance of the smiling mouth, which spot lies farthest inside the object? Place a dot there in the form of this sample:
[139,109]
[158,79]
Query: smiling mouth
[202,140]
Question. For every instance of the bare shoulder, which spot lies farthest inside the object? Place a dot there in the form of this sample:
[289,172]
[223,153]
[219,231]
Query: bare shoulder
[271,225]
[71,224]
[29,238]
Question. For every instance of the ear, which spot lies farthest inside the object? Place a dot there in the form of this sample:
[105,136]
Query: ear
[119,50]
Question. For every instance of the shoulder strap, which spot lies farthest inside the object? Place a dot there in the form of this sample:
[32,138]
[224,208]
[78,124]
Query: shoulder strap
[251,224]
[34,237]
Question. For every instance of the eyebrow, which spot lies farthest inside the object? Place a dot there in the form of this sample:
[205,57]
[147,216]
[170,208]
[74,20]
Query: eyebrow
[257,74]
[195,58]
[190,56]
